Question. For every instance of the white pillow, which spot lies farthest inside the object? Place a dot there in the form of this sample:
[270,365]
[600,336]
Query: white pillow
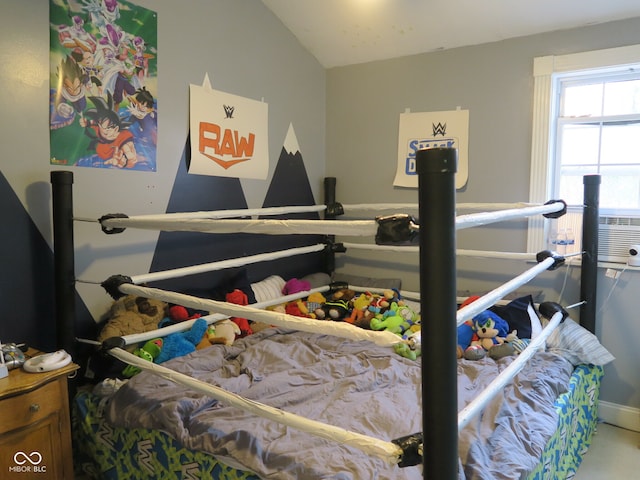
[268,289]
[577,344]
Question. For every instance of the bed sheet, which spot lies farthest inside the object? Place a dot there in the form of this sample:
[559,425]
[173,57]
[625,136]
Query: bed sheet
[354,385]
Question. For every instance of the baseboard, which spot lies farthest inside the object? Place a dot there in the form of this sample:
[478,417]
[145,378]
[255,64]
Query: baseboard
[620,415]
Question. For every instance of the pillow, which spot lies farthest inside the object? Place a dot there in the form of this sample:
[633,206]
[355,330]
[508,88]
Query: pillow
[319,279]
[268,289]
[577,344]
[521,315]
[368,282]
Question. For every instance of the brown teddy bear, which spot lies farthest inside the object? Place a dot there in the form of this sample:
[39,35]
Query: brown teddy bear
[132,314]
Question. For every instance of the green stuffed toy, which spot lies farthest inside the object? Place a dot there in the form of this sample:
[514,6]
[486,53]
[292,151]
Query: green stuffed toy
[149,351]
[404,349]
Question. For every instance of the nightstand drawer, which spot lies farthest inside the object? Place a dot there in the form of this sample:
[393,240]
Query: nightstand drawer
[30,407]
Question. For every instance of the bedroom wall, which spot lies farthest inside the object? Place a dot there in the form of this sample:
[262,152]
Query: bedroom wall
[494,82]
[244,49]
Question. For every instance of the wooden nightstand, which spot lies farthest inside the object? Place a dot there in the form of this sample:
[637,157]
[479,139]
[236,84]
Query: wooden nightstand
[35,428]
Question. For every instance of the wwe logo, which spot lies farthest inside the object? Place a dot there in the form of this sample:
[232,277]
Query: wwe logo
[439,129]
[228,110]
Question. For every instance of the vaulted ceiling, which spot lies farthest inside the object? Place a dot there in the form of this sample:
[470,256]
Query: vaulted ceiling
[346,32]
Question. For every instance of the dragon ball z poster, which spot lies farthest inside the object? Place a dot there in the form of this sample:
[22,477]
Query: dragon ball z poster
[103,85]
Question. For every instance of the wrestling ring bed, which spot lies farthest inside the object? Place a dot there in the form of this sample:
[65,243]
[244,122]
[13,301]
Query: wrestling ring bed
[322,399]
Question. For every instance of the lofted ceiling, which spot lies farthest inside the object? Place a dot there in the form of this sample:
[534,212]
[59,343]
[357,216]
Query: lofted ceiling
[347,32]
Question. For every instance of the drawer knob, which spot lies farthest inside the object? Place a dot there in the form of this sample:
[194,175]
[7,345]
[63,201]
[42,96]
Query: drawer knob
[34,407]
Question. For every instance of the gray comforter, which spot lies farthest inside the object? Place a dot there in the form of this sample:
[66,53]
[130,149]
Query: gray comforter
[355,385]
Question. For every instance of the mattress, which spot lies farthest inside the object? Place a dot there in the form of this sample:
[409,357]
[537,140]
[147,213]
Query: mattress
[117,438]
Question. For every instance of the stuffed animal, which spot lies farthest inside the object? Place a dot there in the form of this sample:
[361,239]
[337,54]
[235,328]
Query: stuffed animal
[294,286]
[297,308]
[490,333]
[149,351]
[404,349]
[132,314]
[223,332]
[314,301]
[359,305]
[182,343]
[238,297]
[337,307]
[390,321]
[178,313]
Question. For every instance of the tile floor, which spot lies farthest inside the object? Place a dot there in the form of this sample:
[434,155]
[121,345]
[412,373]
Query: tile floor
[614,454]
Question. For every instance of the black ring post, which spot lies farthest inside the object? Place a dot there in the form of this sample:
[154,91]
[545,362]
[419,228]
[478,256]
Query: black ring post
[436,169]
[63,259]
[589,276]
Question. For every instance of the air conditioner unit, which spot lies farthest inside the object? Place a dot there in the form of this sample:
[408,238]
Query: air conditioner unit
[615,236]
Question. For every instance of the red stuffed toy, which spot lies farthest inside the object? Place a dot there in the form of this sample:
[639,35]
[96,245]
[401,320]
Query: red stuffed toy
[178,313]
[238,297]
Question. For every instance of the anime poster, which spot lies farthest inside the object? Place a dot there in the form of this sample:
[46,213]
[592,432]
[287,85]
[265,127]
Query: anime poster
[417,131]
[229,134]
[103,84]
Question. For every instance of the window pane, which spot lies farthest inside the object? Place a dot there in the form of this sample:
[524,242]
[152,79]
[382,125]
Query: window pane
[571,186]
[582,100]
[579,144]
[622,98]
[620,187]
[620,143]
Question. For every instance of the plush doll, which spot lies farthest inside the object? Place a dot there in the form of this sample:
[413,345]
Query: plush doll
[465,335]
[359,305]
[390,321]
[223,332]
[336,308]
[238,297]
[178,313]
[314,301]
[297,308]
[132,314]
[490,333]
[294,286]
[182,343]
[149,351]
[404,349]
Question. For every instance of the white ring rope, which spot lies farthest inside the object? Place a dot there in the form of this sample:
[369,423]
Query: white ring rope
[484,218]
[213,214]
[267,211]
[467,413]
[310,227]
[471,310]
[357,207]
[229,263]
[269,227]
[338,329]
[388,451]
[459,252]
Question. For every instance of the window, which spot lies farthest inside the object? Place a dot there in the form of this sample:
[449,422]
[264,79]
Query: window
[587,120]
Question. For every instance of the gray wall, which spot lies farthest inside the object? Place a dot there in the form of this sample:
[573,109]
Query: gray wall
[494,82]
[245,50]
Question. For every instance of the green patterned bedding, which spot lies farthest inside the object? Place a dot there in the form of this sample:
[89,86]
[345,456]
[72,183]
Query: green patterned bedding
[578,409]
[105,452]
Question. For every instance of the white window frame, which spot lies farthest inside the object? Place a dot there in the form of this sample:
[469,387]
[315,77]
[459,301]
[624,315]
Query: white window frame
[543,103]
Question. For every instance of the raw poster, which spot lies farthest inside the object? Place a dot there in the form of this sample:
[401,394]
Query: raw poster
[229,134]
[448,129]
[103,84]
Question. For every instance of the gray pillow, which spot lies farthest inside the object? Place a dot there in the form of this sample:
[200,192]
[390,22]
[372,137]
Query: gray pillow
[578,345]
[369,282]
